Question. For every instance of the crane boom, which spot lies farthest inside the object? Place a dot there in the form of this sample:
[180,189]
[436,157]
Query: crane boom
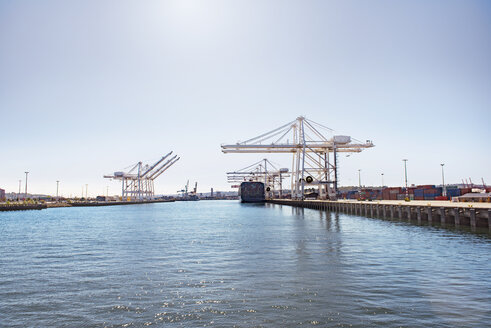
[154,173]
[165,169]
[154,165]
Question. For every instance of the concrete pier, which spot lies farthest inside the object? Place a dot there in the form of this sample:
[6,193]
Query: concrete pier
[475,215]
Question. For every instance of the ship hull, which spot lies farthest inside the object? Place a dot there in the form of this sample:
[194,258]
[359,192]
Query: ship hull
[252,192]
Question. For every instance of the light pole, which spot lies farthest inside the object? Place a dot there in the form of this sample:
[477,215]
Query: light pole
[57,185]
[405,178]
[359,178]
[86,192]
[26,183]
[18,195]
[382,179]
[443,181]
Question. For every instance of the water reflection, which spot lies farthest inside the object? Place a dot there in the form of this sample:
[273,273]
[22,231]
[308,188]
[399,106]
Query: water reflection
[298,211]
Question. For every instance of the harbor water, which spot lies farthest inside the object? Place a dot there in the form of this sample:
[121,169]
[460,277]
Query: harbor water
[227,264]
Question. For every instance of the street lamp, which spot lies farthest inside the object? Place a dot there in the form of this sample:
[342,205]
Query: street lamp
[26,183]
[443,181]
[382,179]
[57,185]
[405,178]
[359,178]
[18,195]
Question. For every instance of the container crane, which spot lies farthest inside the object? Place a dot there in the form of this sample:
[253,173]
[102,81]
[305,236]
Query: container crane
[263,171]
[138,183]
[314,155]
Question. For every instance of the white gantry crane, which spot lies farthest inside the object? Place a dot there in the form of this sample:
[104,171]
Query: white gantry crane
[262,171]
[314,155]
[137,183]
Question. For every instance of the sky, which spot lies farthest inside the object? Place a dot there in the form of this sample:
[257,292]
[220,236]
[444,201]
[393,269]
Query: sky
[91,87]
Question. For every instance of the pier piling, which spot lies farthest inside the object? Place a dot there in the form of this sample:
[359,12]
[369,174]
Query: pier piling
[473,217]
[442,215]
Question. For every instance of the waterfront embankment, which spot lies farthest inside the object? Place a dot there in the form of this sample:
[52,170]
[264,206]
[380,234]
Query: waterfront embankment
[444,212]
[89,204]
[26,207]
[21,207]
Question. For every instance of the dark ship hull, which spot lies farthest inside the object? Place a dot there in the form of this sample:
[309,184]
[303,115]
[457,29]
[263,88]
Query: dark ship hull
[252,192]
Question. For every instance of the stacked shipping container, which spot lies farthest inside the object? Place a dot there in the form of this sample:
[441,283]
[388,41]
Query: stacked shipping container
[422,192]
[453,192]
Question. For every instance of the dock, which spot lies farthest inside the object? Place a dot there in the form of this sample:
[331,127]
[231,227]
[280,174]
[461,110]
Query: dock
[475,215]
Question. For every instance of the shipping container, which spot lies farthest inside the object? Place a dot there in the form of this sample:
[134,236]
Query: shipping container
[451,187]
[453,193]
[433,192]
[425,186]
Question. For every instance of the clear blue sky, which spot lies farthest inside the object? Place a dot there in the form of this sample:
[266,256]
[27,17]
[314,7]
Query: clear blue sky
[90,87]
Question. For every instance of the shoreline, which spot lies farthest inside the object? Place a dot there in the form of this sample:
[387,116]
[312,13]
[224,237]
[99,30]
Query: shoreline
[27,207]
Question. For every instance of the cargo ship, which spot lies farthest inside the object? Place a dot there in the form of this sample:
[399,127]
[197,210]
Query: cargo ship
[252,192]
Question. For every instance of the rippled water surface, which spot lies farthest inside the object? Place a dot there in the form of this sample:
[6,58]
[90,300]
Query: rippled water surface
[225,264]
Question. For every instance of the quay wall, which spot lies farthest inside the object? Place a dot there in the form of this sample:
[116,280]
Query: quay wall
[21,207]
[25,207]
[90,204]
[458,214]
